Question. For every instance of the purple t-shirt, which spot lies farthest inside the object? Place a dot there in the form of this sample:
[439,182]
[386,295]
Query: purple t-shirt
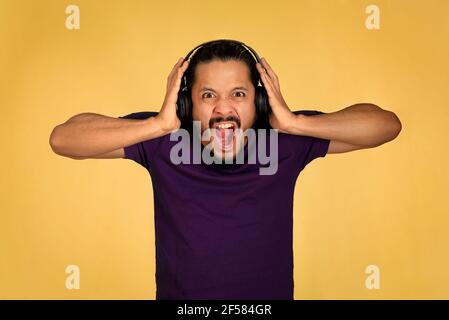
[224,232]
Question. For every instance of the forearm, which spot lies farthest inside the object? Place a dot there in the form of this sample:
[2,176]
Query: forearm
[365,125]
[90,134]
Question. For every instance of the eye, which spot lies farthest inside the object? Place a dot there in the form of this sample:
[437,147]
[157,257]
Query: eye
[207,95]
[240,94]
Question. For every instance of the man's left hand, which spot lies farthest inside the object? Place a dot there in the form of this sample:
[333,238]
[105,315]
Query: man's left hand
[281,118]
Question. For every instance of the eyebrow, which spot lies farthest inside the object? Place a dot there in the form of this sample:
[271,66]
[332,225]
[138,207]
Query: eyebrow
[210,89]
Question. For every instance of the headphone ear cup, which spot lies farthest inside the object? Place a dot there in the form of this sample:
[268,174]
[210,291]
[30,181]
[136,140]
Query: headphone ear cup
[183,106]
[261,100]
[262,106]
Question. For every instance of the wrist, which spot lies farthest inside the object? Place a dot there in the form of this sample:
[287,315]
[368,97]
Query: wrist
[301,124]
[163,126]
[154,127]
[293,124]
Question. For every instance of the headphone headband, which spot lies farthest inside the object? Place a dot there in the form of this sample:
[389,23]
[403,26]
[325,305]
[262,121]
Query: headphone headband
[251,50]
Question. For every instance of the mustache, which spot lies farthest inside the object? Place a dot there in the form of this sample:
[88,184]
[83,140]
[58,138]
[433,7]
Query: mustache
[212,121]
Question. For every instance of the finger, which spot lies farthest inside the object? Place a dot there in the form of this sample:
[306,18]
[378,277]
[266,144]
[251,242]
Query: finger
[177,64]
[265,77]
[176,80]
[263,70]
[180,73]
[270,71]
[268,85]
[184,65]
[272,75]
[175,67]
[179,60]
[267,66]
[177,74]
[260,68]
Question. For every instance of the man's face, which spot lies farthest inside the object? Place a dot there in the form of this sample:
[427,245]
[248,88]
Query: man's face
[223,99]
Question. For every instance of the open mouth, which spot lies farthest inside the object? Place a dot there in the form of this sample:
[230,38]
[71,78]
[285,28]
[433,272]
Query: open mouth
[224,134]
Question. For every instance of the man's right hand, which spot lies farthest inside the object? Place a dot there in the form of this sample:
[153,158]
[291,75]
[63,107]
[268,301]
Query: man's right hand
[90,135]
[167,117]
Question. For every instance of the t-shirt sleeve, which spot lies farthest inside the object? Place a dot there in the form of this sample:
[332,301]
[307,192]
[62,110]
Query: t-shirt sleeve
[309,148]
[144,151]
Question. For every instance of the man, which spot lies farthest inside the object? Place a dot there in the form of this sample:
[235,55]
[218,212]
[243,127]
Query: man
[224,231]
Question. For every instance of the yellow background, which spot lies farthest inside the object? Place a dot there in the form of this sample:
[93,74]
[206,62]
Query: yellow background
[386,206]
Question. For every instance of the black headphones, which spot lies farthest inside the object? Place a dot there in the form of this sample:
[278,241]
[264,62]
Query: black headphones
[184,104]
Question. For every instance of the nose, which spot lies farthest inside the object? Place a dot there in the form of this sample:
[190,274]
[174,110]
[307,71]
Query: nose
[224,107]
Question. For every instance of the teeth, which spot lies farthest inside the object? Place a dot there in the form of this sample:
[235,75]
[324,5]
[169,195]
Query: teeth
[225,126]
